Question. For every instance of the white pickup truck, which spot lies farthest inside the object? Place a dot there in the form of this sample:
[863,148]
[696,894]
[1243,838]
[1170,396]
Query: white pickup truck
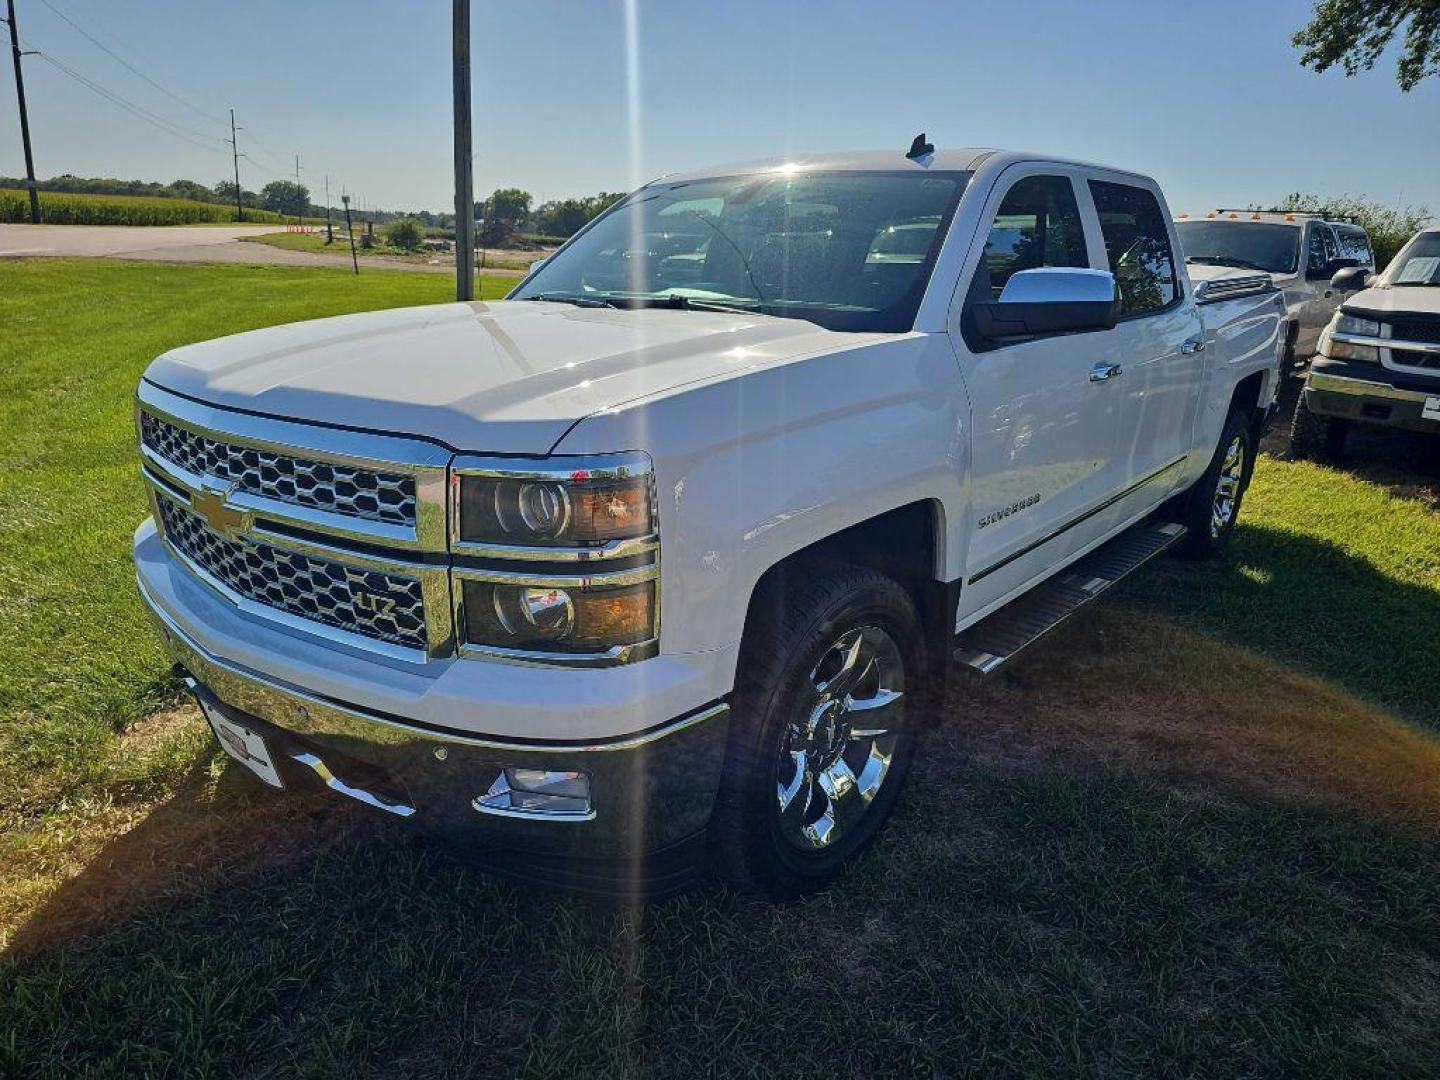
[654,557]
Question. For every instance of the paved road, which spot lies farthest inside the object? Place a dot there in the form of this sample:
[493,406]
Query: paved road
[97,241]
[187,243]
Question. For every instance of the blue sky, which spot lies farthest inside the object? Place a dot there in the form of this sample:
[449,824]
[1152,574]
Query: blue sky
[1211,101]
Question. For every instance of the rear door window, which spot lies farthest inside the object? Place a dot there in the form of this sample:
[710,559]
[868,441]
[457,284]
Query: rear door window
[1352,243]
[1322,247]
[1137,242]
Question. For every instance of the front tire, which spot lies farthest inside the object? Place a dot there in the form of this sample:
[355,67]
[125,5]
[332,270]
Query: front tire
[820,743]
[1209,509]
[1315,436]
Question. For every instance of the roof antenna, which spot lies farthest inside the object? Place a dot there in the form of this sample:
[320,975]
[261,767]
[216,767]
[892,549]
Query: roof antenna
[919,148]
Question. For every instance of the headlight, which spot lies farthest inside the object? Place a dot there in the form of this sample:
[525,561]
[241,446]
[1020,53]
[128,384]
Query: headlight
[594,502]
[1353,325]
[556,559]
[601,616]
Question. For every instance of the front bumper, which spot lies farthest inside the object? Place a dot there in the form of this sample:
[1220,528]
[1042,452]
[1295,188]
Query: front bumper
[1355,391]
[651,789]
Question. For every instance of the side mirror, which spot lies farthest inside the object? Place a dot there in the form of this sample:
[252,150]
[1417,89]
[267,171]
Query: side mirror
[1330,269]
[1351,279]
[1051,300]
[536,265]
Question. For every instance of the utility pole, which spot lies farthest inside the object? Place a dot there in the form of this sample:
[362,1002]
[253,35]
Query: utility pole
[353,259]
[464,176]
[329,232]
[299,202]
[234,153]
[24,115]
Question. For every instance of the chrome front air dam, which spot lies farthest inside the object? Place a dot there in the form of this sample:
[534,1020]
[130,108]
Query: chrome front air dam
[648,792]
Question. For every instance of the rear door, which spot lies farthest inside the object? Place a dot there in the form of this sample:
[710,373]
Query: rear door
[1042,429]
[1160,338]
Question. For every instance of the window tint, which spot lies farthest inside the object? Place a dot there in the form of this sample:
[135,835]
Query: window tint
[1138,245]
[850,251]
[1322,247]
[1038,224]
[1352,243]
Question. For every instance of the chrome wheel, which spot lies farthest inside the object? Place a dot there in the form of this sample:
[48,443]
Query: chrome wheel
[837,751]
[1227,487]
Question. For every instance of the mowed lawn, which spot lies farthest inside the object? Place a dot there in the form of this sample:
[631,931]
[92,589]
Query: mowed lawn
[1192,834]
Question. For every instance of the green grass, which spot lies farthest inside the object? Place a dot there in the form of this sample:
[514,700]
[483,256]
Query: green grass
[67,208]
[1193,834]
[1334,576]
[315,242]
[77,660]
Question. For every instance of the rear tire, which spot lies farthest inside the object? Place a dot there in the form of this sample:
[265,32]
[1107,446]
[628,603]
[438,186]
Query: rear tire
[1315,436]
[1212,505]
[832,655]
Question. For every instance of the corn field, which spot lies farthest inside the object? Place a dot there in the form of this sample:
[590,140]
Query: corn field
[63,208]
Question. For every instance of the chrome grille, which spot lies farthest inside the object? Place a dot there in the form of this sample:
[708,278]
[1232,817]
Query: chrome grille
[336,489]
[1411,358]
[302,585]
[1426,330]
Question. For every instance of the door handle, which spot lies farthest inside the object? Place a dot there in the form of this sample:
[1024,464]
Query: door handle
[1101,372]
[1193,346]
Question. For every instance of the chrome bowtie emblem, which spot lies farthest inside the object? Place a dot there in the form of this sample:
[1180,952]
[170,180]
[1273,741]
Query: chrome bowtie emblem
[210,503]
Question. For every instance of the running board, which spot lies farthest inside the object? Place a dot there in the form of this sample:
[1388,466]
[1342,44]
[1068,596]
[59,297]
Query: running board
[999,636]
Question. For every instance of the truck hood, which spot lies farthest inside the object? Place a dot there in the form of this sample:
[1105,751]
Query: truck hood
[1394,300]
[1223,282]
[501,377]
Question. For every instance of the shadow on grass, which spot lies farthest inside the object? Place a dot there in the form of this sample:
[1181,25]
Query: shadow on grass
[1031,917]
[1313,606]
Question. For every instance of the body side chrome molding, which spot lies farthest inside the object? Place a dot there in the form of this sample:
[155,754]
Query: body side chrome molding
[1086,516]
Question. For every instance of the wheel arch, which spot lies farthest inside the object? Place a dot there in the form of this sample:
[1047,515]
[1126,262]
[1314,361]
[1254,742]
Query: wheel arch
[906,543]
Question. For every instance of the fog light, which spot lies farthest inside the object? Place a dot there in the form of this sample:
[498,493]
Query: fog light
[543,793]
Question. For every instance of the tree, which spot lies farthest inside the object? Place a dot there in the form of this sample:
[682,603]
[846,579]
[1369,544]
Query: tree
[189,189]
[1353,34]
[225,193]
[285,197]
[1389,226]
[567,216]
[509,205]
[406,235]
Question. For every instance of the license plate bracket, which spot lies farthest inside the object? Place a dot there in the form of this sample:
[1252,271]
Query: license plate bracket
[241,743]
[1431,409]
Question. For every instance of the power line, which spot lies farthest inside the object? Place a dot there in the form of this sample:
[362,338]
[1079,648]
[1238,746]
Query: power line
[139,111]
[129,66]
[274,158]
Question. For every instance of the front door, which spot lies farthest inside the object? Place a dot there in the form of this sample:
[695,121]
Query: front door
[1318,302]
[1043,416]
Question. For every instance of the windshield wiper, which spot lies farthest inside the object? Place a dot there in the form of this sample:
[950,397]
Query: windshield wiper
[1226,260]
[682,302]
[578,299]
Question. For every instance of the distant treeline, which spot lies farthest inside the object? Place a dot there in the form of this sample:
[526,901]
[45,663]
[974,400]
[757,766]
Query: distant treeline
[506,211]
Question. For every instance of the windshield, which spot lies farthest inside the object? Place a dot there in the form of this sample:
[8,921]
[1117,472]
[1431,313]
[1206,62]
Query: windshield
[846,250]
[1246,244]
[1418,262]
